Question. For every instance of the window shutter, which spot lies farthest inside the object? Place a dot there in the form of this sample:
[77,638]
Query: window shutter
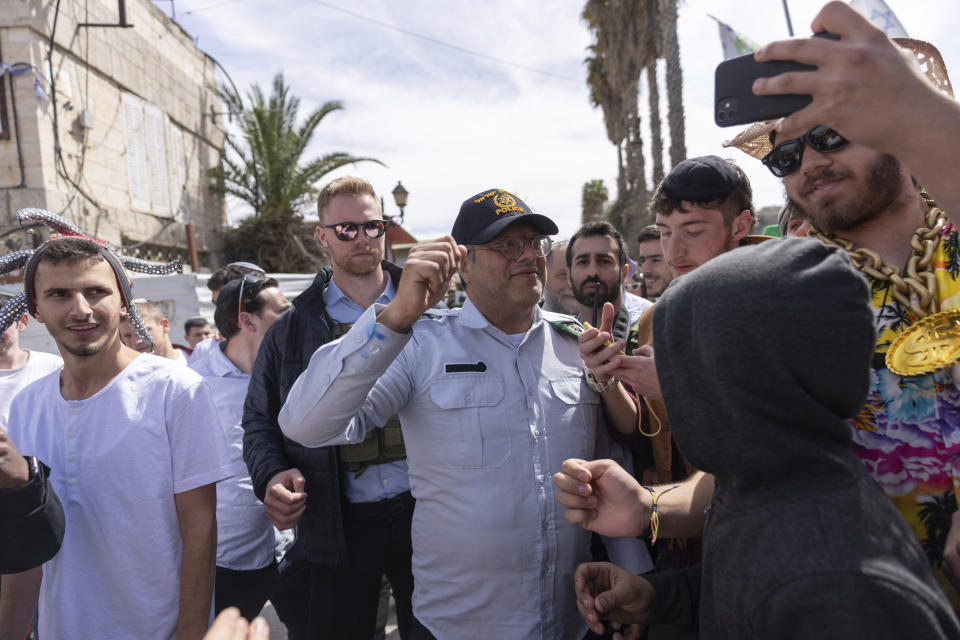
[137,168]
[157,157]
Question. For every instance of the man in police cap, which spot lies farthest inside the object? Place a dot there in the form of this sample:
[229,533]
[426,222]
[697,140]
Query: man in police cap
[491,399]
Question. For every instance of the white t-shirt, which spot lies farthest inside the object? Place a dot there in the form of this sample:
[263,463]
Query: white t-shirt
[12,381]
[117,458]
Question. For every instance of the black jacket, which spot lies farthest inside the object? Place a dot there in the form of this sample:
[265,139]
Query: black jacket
[31,523]
[283,356]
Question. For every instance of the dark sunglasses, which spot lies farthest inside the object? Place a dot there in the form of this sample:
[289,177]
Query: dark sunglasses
[787,156]
[347,231]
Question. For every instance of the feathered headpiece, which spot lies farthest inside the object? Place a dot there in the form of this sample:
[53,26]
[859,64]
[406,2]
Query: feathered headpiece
[29,259]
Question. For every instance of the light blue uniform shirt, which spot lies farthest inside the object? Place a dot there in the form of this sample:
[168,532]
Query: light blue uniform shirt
[380,481]
[486,424]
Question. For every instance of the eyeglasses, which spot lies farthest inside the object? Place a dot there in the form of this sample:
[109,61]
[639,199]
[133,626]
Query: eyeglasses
[512,248]
[786,157]
[347,231]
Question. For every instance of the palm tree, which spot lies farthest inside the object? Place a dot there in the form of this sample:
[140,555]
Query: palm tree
[622,49]
[670,51]
[263,165]
[594,196]
[656,131]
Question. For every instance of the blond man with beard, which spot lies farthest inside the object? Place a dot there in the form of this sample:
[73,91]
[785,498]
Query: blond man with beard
[356,526]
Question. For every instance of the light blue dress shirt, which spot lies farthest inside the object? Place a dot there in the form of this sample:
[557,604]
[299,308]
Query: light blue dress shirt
[486,424]
[380,481]
[245,538]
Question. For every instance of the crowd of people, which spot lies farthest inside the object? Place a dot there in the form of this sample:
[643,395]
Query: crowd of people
[766,443]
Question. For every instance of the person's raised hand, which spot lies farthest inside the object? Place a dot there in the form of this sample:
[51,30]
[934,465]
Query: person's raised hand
[608,592]
[865,86]
[640,372]
[601,496]
[14,471]
[229,625]
[285,499]
[425,280]
[597,357]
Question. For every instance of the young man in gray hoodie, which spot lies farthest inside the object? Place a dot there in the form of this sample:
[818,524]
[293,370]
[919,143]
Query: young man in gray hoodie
[765,354]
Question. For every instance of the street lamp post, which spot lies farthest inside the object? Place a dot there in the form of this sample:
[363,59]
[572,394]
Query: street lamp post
[400,198]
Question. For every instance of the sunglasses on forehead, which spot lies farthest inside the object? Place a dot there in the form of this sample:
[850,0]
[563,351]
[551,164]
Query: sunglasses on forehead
[347,231]
[787,156]
[251,282]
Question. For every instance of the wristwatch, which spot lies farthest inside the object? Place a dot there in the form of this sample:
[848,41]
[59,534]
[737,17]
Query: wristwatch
[600,387]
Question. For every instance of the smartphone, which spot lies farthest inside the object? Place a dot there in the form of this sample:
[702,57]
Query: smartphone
[734,101]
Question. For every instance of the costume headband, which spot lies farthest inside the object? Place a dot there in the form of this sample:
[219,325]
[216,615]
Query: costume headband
[28,260]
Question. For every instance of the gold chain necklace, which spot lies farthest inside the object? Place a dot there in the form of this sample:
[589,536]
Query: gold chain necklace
[932,342]
[916,288]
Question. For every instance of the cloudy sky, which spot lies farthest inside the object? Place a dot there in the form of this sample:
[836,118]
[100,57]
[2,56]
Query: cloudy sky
[512,111]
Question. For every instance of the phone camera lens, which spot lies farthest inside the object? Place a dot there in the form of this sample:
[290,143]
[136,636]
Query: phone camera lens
[721,116]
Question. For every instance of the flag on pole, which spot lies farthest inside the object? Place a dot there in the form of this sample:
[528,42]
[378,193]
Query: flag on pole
[880,16]
[734,44]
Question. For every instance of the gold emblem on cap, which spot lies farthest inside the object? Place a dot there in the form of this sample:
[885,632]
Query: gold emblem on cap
[930,345]
[504,200]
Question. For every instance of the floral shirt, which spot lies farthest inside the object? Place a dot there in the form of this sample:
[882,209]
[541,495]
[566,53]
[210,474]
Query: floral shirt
[908,432]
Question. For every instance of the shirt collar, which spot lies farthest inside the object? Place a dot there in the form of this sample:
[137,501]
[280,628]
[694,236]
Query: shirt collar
[334,295]
[220,364]
[471,317]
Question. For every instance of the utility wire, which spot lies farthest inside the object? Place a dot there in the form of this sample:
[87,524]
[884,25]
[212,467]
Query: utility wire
[420,36]
[441,43]
[212,6]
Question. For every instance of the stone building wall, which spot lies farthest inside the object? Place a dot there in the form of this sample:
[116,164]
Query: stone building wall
[134,126]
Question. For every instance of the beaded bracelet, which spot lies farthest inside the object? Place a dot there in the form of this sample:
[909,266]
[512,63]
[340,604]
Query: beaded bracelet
[654,515]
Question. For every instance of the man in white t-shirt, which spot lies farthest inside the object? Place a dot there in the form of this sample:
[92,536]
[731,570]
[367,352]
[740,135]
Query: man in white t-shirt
[135,449]
[19,367]
[246,570]
[159,326]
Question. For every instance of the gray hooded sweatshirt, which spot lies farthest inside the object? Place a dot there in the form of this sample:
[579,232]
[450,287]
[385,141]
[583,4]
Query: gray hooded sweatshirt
[762,354]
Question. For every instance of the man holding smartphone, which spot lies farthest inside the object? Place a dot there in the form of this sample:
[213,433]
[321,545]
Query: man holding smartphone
[858,179]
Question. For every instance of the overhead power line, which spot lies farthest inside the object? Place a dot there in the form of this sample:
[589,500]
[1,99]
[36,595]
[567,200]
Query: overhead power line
[448,45]
[420,36]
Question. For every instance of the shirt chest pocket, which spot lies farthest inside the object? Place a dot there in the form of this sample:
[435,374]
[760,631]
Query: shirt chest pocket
[472,430]
[577,409]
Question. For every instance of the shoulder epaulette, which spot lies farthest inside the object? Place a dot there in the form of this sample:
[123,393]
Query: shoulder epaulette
[565,324]
[436,314]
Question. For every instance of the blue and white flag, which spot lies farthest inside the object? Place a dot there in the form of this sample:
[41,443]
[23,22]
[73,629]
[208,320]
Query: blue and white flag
[881,16]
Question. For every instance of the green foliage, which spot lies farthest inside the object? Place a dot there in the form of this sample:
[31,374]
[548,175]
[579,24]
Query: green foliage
[263,166]
[282,243]
[595,190]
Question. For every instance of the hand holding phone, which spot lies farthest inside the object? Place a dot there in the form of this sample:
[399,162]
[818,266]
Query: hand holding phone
[734,100]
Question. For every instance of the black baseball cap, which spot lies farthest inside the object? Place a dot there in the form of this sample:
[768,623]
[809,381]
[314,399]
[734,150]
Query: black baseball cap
[703,179]
[484,216]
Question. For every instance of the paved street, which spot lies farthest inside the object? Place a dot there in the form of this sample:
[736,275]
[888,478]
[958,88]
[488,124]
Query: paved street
[279,632]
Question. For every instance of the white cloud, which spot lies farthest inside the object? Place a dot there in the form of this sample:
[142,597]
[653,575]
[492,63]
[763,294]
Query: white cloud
[449,124]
